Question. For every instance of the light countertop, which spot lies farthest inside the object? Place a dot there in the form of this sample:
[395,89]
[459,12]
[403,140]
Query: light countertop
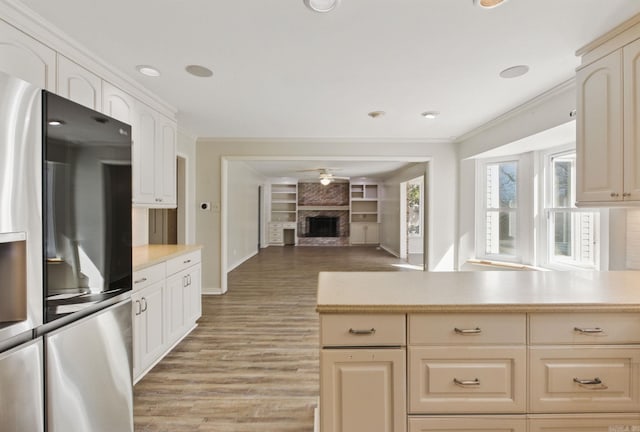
[148,255]
[481,291]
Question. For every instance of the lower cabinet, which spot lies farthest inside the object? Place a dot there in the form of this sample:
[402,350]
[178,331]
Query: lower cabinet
[468,424]
[149,338]
[166,304]
[364,233]
[582,423]
[363,390]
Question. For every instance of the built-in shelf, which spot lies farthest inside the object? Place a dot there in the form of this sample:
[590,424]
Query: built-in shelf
[284,204]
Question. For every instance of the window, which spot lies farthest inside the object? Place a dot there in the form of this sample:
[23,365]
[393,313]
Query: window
[414,208]
[501,201]
[572,233]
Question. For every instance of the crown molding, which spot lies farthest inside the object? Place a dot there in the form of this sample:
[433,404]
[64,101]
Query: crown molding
[316,140]
[27,21]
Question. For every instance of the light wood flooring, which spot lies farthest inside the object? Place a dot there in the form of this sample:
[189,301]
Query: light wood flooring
[252,362]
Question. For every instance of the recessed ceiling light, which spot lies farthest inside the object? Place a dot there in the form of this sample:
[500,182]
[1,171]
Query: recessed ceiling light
[322,5]
[514,71]
[430,114]
[199,71]
[488,4]
[148,70]
[376,114]
[55,123]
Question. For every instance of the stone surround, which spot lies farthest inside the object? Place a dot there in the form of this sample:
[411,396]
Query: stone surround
[316,195]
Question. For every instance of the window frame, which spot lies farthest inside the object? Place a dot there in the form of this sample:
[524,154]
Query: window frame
[524,199]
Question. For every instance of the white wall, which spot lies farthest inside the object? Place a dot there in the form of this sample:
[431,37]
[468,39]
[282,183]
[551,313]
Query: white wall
[187,149]
[208,186]
[242,202]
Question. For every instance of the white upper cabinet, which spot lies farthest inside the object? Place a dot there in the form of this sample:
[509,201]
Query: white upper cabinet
[631,56]
[608,122]
[78,84]
[117,104]
[24,57]
[154,159]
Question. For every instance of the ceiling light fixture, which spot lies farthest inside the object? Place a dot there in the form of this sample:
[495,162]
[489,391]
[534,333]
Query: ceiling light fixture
[322,6]
[488,4]
[430,114]
[148,70]
[514,71]
[376,114]
[199,71]
[324,181]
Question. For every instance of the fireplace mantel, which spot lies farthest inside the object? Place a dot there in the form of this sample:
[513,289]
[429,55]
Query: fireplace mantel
[323,207]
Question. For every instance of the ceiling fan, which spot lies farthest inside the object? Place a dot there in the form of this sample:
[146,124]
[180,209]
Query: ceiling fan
[325,175]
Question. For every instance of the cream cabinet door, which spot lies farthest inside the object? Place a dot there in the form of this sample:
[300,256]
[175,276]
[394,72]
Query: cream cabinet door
[362,390]
[473,379]
[176,317]
[504,423]
[582,379]
[357,233]
[78,84]
[193,296]
[585,423]
[24,57]
[631,55]
[599,130]
[148,326]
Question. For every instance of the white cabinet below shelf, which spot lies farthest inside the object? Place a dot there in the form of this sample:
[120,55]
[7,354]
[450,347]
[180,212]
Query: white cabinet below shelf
[149,338]
[364,233]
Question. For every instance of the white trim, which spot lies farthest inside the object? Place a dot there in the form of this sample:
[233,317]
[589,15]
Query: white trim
[188,209]
[392,252]
[224,203]
[242,261]
[314,140]
[212,291]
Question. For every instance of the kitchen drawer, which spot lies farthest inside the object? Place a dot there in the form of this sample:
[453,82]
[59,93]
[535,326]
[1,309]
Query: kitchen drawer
[584,328]
[467,329]
[148,276]
[467,379]
[609,375]
[362,330]
[182,262]
[585,423]
[499,423]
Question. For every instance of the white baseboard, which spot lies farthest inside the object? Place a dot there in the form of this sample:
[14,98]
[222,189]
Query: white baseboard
[392,252]
[242,260]
[316,417]
[212,291]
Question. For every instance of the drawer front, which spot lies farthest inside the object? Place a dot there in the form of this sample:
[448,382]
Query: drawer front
[148,276]
[362,330]
[584,379]
[504,423]
[584,328]
[467,380]
[467,329]
[182,262]
[585,423]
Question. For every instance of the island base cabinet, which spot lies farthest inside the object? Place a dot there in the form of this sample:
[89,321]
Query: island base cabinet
[468,424]
[582,423]
[363,390]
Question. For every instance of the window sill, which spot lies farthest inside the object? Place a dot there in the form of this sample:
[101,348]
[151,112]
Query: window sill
[502,265]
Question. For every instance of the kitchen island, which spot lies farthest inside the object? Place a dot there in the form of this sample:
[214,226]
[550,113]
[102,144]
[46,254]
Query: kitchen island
[479,351]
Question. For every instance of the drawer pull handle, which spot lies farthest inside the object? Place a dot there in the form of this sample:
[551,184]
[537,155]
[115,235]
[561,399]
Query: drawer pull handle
[583,330]
[590,383]
[472,331]
[144,279]
[186,261]
[362,332]
[467,383]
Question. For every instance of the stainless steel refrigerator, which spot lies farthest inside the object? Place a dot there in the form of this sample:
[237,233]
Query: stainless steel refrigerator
[65,260]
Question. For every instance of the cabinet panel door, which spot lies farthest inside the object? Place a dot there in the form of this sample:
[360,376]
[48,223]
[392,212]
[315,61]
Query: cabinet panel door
[631,55]
[192,296]
[585,423]
[144,156]
[599,130]
[357,233]
[175,317]
[139,332]
[78,84]
[504,423]
[584,379]
[467,380]
[166,163]
[117,104]
[153,315]
[362,390]
[371,234]
[24,57]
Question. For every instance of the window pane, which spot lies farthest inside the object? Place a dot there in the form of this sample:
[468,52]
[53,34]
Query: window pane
[574,237]
[562,234]
[563,174]
[501,233]
[502,185]
[413,202]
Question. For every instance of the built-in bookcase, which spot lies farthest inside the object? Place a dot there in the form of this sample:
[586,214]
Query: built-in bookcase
[284,202]
[364,203]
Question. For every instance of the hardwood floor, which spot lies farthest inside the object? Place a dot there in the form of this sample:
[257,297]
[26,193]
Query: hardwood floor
[252,362]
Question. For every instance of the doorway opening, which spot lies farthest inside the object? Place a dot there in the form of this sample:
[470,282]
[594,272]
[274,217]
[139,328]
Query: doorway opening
[412,222]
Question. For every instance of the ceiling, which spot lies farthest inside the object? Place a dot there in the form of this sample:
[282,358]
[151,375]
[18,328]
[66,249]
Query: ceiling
[281,70]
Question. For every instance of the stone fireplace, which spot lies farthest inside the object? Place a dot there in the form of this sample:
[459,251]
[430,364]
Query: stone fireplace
[323,214]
